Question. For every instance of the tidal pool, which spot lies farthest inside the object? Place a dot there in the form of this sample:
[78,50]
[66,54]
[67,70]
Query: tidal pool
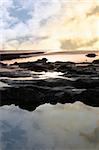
[50,127]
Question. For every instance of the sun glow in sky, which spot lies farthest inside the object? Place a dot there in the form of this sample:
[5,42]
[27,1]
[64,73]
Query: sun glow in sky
[54,24]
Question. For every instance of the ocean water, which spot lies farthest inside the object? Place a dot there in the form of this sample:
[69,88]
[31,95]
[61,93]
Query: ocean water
[52,57]
[50,127]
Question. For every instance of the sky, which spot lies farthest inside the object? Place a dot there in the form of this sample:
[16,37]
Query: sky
[49,25]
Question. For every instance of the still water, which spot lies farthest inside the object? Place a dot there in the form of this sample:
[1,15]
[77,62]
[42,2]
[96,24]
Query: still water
[50,127]
[74,57]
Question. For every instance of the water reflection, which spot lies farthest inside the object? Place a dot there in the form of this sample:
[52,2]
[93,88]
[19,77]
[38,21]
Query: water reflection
[68,126]
[40,75]
[3,85]
[75,57]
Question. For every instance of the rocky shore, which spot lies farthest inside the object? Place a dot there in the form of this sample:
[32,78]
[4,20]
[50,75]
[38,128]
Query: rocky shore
[77,82]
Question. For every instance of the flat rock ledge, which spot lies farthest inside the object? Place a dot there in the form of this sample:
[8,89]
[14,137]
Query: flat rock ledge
[79,82]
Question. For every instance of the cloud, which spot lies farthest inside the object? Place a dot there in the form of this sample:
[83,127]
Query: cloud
[95,11]
[67,24]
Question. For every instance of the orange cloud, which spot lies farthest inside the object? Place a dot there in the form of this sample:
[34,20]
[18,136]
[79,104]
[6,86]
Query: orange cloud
[75,26]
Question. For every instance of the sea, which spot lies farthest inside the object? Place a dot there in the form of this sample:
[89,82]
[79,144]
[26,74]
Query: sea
[74,56]
[50,127]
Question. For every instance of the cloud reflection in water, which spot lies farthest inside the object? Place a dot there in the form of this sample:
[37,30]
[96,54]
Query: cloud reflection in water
[68,126]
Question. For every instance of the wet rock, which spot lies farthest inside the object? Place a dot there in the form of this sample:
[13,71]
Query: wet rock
[42,61]
[64,67]
[86,83]
[90,97]
[23,97]
[13,73]
[43,65]
[96,61]
[31,94]
[3,65]
[14,55]
[37,66]
[82,84]
[91,55]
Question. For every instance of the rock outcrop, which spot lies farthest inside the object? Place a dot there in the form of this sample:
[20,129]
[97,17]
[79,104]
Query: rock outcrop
[78,82]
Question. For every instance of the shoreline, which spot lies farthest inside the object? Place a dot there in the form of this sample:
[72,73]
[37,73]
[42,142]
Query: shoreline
[77,82]
[10,56]
[77,57]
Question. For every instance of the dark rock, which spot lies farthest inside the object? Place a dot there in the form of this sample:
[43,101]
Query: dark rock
[43,61]
[29,94]
[3,65]
[96,61]
[23,97]
[15,64]
[11,73]
[14,55]
[91,55]
[64,67]
[38,66]
[43,65]
[86,83]
[90,97]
